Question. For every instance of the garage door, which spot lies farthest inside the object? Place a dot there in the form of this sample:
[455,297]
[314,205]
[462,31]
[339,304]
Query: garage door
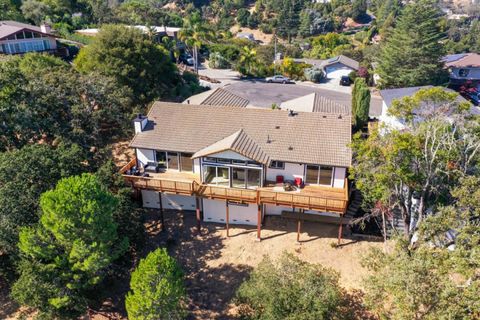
[169,201]
[150,199]
[215,211]
[178,202]
[337,73]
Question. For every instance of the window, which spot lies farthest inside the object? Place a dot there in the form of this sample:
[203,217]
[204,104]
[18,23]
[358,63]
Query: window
[277,165]
[20,35]
[239,162]
[172,160]
[219,176]
[161,158]
[219,160]
[319,175]
[210,159]
[28,35]
[36,35]
[463,72]
[186,162]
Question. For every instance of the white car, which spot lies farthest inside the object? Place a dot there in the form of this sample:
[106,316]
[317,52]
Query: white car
[278,79]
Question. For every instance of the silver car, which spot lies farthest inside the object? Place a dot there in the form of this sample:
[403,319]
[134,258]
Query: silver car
[278,79]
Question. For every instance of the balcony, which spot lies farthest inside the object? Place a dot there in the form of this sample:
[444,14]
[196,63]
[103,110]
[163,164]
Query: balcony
[318,198]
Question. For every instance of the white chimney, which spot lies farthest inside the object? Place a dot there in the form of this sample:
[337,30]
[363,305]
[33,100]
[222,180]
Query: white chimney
[45,28]
[140,122]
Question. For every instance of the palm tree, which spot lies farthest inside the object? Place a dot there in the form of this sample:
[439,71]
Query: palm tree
[248,60]
[194,33]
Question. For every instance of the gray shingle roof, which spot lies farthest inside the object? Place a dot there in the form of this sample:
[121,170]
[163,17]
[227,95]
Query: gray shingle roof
[344,60]
[218,97]
[314,138]
[239,142]
[8,28]
[389,95]
[315,102]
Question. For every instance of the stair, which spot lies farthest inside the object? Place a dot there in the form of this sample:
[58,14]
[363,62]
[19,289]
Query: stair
[355,203]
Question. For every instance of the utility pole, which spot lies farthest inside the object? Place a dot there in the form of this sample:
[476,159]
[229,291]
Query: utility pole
[275,57]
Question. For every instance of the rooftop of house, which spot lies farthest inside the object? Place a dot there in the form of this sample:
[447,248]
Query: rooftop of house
[145,29]
[315,102]
[218,97]
[8,27]
[259,134]
[462,60]
[389,95]
[343,60]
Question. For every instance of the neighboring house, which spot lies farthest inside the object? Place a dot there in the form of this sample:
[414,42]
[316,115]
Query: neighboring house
[218,97]
[245,35]
[17,38]
[390,95]
[315,102]
[337,67]
[238,165]
[463,67]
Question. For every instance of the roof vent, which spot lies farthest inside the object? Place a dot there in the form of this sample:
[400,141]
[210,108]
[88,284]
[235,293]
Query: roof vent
[339,116]
[268,139]
[277,127]
[290,148]
[324,116]
[291,113]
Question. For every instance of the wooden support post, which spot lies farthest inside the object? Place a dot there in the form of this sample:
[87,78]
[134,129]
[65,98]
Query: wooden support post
[162,218]
[299,225]
[259,223]
[340,227]
[228,218]
[197,209]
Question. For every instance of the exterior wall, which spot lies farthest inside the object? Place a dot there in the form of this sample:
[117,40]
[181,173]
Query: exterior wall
[473,74]
[144,156]
[272,210]
[290,172]
[389,120]
[196,166]
[215,211]
[339,177]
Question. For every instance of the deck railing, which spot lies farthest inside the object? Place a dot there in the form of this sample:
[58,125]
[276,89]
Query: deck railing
[309,201]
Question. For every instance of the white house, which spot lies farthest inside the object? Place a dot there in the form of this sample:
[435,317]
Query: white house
[17,38]
[239,164]
[337,67]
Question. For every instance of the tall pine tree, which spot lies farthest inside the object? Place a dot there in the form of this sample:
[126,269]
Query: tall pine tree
[411,54]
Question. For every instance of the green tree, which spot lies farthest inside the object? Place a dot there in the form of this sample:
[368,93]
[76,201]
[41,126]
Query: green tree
[290,288]
[9,10]
[36,11]
[157,289]
[195,33]
[67,254]
[437,277]
[423,161]
[42,98]
[359,9]
[360,103]
[24,175]
[411,55]
[248,61]
[133,59]
[243,16]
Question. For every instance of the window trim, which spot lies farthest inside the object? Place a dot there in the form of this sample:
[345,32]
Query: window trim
[319,168]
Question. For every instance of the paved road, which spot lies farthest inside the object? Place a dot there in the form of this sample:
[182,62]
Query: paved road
[263,94]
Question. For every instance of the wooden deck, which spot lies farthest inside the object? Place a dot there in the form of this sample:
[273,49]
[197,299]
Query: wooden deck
[309,198]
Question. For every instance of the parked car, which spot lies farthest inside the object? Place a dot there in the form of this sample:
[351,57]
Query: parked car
[278,79]
[186,59]
[345,81]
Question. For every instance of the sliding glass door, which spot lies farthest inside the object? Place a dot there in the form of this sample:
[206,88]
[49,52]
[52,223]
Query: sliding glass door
[245,178]
[319,175]
[219,176]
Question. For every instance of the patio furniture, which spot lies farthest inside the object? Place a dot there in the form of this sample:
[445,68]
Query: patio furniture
[152,167]
[279,179]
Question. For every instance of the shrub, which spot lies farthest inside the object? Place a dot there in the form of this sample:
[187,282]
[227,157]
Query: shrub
[288,289]
[157,288]
[217,61]
[313,74]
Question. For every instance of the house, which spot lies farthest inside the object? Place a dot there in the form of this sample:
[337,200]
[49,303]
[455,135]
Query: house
[390,95]
[237,165]
[463,67]
[17,38]
[337,67]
